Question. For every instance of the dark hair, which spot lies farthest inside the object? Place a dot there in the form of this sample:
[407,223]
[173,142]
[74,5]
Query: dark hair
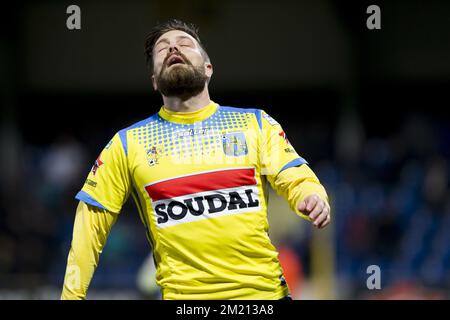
[167,26]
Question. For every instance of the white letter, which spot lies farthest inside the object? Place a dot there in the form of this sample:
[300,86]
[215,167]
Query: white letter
[374,20]
[74,20]
[374,281]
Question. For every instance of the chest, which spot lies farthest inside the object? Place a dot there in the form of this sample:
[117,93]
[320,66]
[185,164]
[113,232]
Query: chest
[167,150]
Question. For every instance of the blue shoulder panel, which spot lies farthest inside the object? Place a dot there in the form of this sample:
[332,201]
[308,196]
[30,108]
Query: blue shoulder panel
[123,132]
[257,112]
[294,163]
[83,196]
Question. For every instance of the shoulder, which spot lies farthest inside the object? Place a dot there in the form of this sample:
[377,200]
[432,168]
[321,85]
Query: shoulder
[239,109]
[122,134]
[257,113]
[141,123]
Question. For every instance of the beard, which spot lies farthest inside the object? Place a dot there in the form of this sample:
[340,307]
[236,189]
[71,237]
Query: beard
[181,80]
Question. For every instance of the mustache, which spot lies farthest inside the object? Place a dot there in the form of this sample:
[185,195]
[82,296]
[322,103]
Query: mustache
[179,54]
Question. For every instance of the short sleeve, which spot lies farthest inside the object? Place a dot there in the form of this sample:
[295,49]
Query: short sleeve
[277,153]
[108,183]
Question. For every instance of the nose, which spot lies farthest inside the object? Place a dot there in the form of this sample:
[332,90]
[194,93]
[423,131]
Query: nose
[173,48]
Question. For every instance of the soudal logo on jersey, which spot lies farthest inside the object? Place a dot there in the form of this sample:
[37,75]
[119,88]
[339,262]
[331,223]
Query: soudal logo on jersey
[203,196]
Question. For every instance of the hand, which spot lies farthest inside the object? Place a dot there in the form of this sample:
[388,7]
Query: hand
[317,209]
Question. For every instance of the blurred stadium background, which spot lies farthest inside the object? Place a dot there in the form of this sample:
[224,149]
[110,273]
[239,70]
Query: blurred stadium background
[366,108]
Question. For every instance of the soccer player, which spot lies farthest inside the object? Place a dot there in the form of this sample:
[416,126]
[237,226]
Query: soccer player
[198,172]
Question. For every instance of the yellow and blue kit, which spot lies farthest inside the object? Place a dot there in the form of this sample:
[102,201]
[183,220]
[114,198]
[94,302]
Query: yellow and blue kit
[200,181]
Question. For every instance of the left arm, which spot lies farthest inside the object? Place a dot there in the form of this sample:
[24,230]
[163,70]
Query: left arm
[304,193]
[290,175]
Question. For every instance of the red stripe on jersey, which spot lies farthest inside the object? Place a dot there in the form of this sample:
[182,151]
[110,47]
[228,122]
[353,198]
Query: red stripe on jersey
[201,182]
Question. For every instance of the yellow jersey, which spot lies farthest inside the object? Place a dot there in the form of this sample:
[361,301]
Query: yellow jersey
[200,180]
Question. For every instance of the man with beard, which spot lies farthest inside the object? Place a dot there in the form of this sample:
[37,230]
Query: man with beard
[197,171]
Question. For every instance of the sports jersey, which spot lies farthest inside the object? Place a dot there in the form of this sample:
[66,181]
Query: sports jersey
[200,181]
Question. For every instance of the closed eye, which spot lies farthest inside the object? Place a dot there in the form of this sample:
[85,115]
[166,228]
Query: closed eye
[185,42]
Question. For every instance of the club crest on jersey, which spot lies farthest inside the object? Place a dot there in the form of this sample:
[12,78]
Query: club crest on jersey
[234,144]
[98,162]
[153,156]
[205,195]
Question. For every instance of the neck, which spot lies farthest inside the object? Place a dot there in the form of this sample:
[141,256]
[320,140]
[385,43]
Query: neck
[181,104]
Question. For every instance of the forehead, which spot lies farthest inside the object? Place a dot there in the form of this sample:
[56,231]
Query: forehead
[173,35]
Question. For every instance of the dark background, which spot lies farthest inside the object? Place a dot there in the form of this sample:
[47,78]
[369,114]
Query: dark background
[366,108]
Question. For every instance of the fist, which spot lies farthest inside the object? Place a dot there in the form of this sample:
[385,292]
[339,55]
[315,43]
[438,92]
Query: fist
[317,209]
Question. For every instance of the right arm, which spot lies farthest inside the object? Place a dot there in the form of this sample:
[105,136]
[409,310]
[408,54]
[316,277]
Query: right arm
[90,232]
[105,191]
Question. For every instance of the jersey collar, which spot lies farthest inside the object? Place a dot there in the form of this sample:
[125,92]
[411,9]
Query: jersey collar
[188,117]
